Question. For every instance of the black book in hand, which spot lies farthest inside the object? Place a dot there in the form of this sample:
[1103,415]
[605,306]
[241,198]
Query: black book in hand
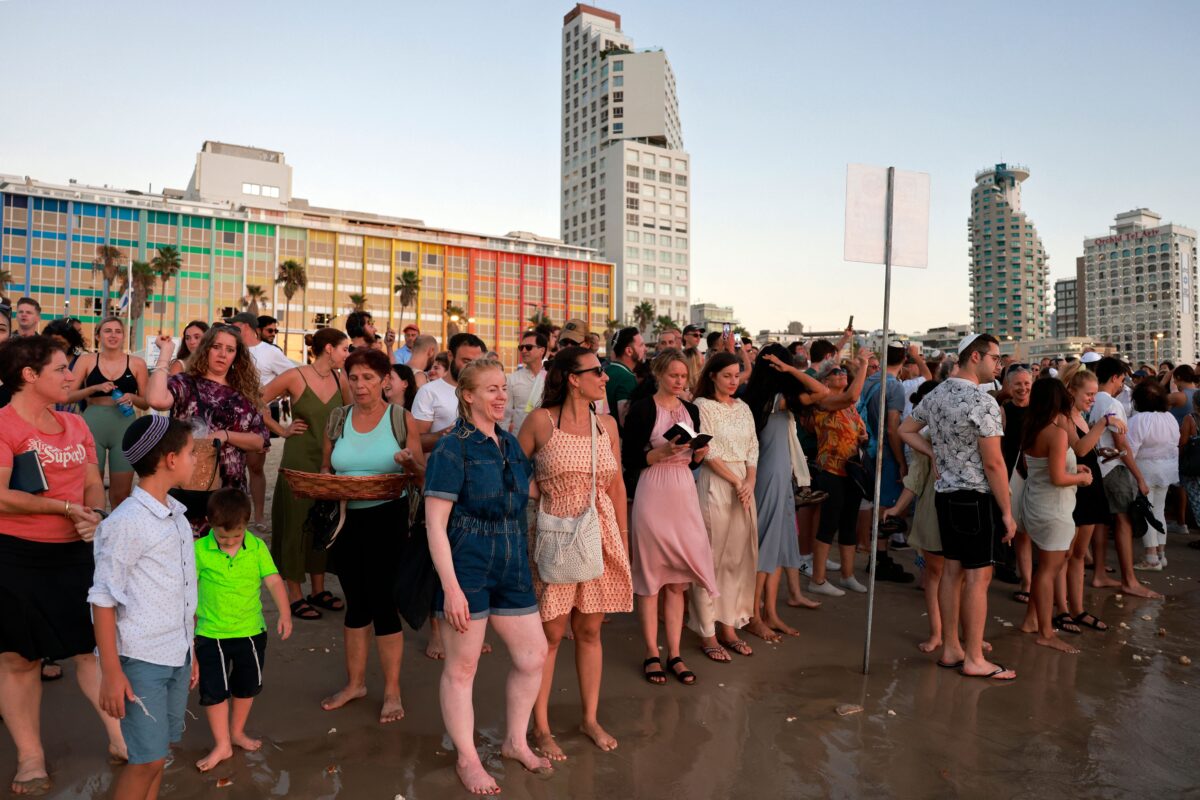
[683,434]
[27,473]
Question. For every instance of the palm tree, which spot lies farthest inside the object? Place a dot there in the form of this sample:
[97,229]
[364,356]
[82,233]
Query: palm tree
[539,317]
[141,285]
[452,312]
[740,331]
[610,329]
[643,315]
[664,323]
[293,277]
[255,296]
[109,261]
[409,287]
[359,302]
[166,263]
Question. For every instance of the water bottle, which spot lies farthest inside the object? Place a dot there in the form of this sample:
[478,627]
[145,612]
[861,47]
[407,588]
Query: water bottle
[127,410]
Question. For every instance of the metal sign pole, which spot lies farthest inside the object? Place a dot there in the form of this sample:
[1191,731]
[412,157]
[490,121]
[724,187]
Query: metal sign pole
[881,428]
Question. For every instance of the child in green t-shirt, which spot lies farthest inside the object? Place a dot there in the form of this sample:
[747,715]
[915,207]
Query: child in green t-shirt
[231,634]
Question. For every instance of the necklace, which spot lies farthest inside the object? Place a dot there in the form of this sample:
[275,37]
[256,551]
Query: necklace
[318,372]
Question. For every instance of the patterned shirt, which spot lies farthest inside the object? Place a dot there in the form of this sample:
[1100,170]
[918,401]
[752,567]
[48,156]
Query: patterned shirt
[958,416]
[146,570]
[218,408]
[838,435]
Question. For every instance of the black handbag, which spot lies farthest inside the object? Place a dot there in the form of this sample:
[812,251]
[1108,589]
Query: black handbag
[860,475]
[416,578]
[324,521]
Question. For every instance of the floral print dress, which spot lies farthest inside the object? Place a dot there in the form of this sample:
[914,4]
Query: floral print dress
[212,406]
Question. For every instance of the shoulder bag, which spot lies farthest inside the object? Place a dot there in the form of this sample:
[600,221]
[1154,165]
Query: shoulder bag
[568,549]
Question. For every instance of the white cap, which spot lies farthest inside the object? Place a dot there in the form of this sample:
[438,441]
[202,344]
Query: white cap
[967,341]
[1053,372]
[1090,357]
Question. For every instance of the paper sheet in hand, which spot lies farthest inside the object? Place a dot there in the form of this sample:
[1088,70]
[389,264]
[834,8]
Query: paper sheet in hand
[866,212]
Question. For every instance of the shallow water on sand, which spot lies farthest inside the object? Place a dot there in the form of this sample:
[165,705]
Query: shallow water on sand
[1098,725]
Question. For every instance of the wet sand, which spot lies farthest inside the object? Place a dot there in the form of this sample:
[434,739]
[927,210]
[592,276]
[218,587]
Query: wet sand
[1098,725]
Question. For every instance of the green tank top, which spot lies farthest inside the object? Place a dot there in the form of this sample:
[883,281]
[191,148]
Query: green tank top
[303,452]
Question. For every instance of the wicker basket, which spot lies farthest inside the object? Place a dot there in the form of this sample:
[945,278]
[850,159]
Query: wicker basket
[314,486]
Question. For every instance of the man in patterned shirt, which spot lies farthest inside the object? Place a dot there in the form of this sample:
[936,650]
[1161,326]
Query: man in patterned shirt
[973,502]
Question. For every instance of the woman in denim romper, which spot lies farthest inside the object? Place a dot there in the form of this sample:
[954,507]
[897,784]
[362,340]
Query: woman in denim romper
[476,489]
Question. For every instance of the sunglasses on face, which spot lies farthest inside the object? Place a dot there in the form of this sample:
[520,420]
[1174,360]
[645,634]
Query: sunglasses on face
[597,371]
[526,347]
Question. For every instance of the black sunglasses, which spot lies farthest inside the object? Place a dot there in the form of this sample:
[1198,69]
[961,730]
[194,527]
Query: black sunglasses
[524,347]
[598,370]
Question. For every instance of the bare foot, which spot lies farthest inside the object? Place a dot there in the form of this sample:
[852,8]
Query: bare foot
[598,735]
[1029,625]
[245,742]
[217,755]
[117,754]
[779,625]
[1102,581]
[392,710]
[760,629]
[1138,590]
[339,699]
[930,644]
[476,779]
[531,761]
[1055,643]
[543,742]
[436,651]
[803,602]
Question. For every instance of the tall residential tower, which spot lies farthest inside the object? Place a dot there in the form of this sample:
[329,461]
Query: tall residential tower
[1008,264]
[625,175]
[1140,288]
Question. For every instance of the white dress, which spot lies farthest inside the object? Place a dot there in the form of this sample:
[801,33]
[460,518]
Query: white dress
[1043,510]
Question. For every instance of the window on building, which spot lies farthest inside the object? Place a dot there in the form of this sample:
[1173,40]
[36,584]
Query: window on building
[251,188]
[632,269]
[618,66]
[631,286]
[618,80]
[631,236]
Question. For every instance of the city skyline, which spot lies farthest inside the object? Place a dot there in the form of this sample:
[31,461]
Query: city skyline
[426,126]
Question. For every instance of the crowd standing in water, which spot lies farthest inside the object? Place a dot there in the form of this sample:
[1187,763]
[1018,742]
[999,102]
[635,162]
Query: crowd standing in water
[685,482]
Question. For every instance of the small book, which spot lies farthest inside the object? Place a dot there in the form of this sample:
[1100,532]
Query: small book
[683,434]
[27,473]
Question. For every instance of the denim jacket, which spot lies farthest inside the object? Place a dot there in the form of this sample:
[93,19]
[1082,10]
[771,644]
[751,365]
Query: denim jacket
[488,485]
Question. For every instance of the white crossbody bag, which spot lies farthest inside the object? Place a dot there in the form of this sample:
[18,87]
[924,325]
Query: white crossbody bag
[568,549]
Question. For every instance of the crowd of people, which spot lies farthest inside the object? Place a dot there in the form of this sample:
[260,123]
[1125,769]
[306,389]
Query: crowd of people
[688,482]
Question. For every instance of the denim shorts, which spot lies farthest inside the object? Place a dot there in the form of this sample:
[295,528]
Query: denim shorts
[493,571]
[152,725]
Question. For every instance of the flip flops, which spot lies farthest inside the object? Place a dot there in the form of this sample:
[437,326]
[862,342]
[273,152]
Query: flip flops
[993,675]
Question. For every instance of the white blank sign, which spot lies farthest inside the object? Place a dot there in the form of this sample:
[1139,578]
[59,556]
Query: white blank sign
[866,213]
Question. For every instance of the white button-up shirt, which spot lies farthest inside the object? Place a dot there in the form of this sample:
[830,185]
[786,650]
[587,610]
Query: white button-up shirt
[520,388]
[146,570]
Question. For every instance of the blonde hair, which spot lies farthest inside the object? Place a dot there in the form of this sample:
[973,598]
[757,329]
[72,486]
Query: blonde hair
[695,363]
[1075,375]
[665,359]
[469,380]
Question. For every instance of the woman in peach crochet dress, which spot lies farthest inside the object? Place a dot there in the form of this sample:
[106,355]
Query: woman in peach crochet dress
[558,438]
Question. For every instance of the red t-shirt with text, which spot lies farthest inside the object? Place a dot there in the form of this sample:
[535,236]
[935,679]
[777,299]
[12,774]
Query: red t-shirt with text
[65,458]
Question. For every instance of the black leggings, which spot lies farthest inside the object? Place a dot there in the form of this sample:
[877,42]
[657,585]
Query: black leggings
[366,558]
[839,513]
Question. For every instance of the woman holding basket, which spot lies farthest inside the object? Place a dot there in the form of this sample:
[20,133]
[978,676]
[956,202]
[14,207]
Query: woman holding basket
[370,437]
[576,455]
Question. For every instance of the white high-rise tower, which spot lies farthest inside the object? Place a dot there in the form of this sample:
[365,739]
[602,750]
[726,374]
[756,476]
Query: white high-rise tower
[626,180]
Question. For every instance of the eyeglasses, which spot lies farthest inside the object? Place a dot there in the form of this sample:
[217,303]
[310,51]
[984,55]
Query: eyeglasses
[597,370]
[525,347]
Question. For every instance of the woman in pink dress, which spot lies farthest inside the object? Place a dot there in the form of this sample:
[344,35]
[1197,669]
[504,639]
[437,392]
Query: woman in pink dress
[670,544]
[558,439]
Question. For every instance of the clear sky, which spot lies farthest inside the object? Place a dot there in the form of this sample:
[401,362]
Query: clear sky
[448,112]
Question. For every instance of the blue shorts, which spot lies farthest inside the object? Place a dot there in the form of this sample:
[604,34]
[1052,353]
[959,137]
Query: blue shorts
[891,484]
[493,572]
[153,725]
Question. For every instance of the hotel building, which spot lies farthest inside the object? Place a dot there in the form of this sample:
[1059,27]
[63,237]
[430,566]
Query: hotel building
[625,175]
[237,220]
[1140,288]
[1008,265]
[1066,308]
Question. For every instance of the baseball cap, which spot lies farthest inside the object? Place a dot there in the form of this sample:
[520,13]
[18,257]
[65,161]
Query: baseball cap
[1090,357]
[246,318]
[573,330]
[695,329]
[1141,373]
[411,327]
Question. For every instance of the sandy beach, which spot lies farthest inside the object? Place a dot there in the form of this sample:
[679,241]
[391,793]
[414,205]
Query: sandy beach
[1121,719]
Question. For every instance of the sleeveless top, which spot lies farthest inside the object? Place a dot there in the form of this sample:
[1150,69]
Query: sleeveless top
[1180,413]
[127,383]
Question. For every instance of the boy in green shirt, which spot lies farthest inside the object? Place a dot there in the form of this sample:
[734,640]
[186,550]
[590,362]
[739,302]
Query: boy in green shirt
[231,634]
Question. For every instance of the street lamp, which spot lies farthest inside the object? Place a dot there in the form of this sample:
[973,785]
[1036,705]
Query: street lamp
[1157,338]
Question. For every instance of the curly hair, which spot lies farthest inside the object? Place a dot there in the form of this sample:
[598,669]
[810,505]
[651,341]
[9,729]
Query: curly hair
[469,380]
[242,376]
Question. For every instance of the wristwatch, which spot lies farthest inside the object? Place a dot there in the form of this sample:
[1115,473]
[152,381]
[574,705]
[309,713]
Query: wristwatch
[103,514]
